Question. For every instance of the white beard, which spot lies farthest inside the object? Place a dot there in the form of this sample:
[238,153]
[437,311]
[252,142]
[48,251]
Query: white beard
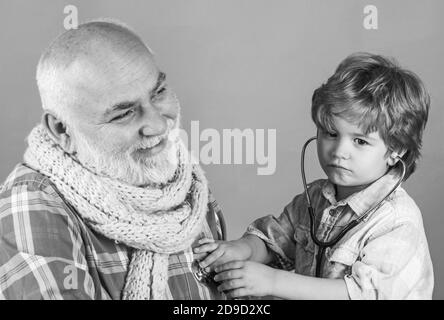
[155,170]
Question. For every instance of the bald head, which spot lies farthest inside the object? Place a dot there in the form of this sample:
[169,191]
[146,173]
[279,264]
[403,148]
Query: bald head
[85,50]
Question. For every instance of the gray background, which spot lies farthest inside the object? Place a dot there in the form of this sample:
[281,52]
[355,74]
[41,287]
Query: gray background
[246,64]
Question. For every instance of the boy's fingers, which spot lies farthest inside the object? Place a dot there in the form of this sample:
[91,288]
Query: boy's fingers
[229,265]
[199,256]
[236,293]
[211,258]
[229,274]
[205,240]
[231,284]
[206,247]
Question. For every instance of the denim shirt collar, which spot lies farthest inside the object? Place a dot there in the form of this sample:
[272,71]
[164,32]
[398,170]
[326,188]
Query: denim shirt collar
[365,199]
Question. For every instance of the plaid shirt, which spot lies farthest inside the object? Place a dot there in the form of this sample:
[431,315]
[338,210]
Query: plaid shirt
[386,256]
[48,252]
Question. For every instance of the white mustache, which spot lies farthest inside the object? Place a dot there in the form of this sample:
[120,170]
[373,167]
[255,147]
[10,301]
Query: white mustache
[151,142]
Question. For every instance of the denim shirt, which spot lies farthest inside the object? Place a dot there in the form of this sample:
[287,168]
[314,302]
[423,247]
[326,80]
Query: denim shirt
[386,256]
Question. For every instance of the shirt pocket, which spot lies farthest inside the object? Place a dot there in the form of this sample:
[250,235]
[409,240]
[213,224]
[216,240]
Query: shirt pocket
[339,262]
[304,250]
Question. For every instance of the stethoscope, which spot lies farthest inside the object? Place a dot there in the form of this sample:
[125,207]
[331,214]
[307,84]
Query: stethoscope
[326,244]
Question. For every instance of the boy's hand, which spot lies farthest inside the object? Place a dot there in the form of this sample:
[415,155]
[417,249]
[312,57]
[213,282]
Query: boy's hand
[221,252]
[205,246]
[245,278]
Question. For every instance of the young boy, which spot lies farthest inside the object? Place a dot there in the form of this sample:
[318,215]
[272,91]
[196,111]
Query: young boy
[368,114]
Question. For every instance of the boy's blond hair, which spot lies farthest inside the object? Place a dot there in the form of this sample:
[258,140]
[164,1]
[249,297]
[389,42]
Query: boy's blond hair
[375,93]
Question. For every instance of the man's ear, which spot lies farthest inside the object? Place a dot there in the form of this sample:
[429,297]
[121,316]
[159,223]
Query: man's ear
[394,157]
[58,131]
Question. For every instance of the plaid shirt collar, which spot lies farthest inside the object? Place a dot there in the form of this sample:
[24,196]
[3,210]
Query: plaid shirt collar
[364,200]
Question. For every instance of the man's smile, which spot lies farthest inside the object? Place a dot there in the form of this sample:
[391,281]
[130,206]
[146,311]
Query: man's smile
[152,147]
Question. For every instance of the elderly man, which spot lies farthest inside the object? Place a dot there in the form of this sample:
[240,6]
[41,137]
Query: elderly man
[106,204]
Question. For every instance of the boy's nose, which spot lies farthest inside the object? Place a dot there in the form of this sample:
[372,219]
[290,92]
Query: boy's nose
[341,150]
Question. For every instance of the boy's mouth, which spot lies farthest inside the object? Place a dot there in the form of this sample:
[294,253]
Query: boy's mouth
[336,166]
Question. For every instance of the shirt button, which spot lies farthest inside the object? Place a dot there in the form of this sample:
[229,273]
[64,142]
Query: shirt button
[332,212]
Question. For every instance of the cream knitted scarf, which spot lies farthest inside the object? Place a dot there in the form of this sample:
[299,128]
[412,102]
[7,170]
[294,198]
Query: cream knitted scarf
[157,221]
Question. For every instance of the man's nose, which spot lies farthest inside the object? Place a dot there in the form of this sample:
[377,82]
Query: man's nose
[341,149]
[153,122]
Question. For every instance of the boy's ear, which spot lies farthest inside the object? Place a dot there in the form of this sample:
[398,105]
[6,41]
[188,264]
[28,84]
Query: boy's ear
[395,156]
[58,131]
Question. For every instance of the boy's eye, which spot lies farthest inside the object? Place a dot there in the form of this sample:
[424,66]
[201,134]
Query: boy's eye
[361,142]
[123,115]
[330,134]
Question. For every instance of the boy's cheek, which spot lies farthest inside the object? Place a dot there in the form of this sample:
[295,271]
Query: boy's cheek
[323,151]
[323,162]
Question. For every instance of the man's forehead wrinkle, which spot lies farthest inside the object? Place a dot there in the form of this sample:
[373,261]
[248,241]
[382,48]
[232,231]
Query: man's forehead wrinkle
[93,44]
[108,67]
[87,39]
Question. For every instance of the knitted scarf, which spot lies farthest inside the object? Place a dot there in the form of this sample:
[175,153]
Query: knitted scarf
[157,221]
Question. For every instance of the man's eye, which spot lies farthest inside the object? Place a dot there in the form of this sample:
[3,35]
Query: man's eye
[361,142]
[123,115]
[159,93]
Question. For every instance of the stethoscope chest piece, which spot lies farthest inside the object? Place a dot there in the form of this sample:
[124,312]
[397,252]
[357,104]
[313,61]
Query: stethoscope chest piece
[201,275]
